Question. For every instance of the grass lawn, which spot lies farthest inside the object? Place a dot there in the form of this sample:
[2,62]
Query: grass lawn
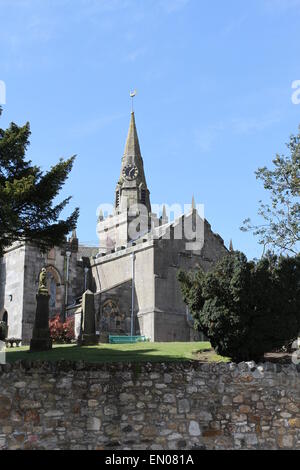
[140,352]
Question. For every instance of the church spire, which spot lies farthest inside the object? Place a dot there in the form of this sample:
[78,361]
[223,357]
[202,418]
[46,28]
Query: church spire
[132,187]
[193,203]
[132,147]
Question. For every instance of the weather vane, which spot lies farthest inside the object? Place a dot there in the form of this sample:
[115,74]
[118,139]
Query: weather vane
[132,95]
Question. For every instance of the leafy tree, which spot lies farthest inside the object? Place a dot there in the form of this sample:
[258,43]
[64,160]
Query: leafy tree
[246,308]
[281,228]
[27,210]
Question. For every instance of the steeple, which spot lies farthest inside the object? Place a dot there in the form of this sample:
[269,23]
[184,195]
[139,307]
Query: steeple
[100,216]
[132,147]
[164,218]
[132,199]
[74,234]
[73,241]
[132,187]
[193,203]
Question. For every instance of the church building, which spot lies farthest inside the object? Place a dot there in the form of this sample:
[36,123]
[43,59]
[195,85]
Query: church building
[133,273]
[137,272]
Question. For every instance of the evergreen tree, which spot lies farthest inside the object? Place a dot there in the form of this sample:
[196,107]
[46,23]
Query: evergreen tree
[246,308]
[27,210]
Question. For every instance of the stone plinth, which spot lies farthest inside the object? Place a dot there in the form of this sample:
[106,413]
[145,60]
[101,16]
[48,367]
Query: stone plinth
[89,337]
[41,340]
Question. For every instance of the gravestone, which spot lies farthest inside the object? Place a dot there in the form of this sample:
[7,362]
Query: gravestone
[41,340]
[88,337]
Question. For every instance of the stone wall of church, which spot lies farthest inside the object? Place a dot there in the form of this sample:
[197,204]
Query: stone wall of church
[12,288]
[115,271]
[19,274]
[152,406]
[171,255]
[161,312]
[55,262]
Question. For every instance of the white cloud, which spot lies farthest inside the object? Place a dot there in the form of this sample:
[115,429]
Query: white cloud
[205,138]
[134,55]
[281,5]
[89,127]
[234,25]
[171,6]
[248,125]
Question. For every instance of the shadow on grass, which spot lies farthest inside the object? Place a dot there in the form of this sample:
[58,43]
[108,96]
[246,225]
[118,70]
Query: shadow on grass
[163,352]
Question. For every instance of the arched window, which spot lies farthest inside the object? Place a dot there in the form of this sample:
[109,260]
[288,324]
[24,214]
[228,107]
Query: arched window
[3,326]
[5,317]
[112,320]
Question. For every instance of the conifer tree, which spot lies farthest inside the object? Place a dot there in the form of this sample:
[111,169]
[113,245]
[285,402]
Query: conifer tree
[246,308]
[27,208]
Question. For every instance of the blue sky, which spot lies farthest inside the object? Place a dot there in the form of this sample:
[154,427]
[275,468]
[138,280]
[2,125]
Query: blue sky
[214,96]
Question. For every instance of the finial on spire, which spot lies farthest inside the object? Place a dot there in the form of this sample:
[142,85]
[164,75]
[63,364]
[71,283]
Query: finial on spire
[132,95]
[164,218]
[74,234]
[100,216]
[132,146]
[193,203]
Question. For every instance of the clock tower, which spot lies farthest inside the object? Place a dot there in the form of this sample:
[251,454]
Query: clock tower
[131,193]
[132,187]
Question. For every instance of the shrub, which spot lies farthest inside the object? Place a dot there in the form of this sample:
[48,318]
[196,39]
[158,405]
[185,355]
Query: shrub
[246,308]
[62,332]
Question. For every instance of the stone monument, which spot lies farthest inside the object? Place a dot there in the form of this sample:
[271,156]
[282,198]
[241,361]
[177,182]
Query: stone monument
[41,340]
[88,335]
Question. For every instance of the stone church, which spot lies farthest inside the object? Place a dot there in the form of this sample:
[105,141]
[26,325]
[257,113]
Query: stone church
[133,273]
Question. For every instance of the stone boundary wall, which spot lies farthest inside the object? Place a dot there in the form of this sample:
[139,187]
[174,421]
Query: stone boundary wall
[151,406]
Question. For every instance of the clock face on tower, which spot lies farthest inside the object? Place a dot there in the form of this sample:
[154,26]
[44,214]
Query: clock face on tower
[130,172]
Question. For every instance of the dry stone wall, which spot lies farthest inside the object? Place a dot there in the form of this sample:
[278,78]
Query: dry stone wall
[150,406]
